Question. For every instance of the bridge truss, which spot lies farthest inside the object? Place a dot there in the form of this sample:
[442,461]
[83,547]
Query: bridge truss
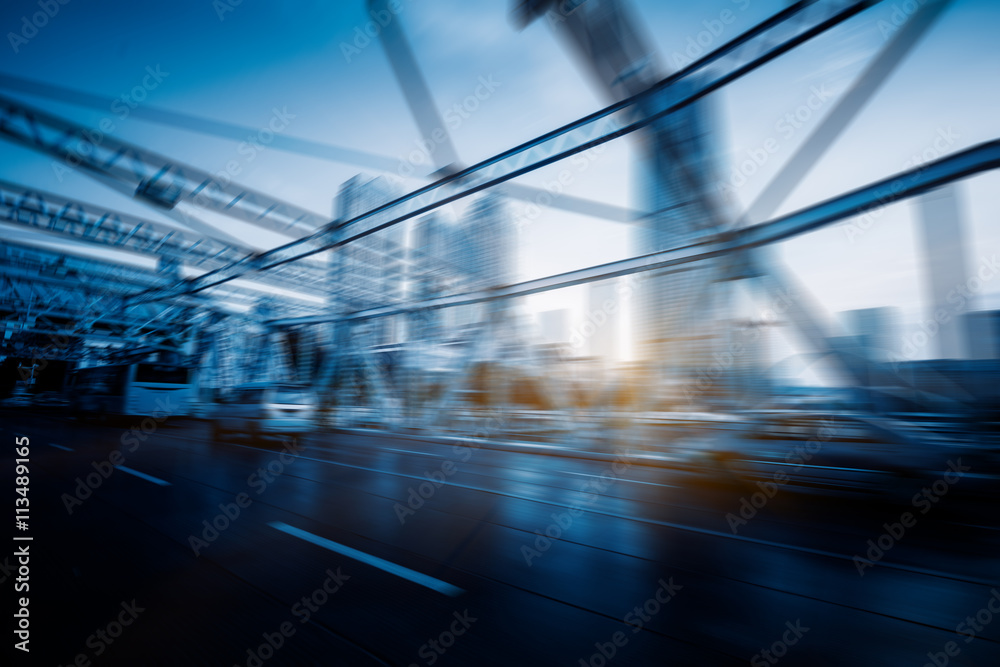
[289,313]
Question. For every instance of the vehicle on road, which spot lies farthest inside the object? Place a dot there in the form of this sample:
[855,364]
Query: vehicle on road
[262,409]
[138,389]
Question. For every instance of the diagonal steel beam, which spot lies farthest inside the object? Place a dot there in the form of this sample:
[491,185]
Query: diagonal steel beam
[299,146]
[843,113]
[149,176]
[78,221]
[758,46]
[804,310]
[977,159]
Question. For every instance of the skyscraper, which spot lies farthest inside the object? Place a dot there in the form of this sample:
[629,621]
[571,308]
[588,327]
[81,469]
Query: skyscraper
[943,235]
[983,327]
[874,331]
[604,306]
[430,271]
[369,272]
[478,252]
[483,251]
[677,179]
[486,244]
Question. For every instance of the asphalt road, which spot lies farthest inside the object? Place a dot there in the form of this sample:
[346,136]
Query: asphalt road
[373,549]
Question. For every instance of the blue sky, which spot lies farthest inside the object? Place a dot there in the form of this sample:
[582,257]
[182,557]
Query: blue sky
[239,65]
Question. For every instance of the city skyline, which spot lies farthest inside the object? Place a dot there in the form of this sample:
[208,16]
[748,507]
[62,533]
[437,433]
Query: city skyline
[472,104]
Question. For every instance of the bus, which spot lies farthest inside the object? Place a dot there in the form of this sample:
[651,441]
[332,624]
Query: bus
[137,389]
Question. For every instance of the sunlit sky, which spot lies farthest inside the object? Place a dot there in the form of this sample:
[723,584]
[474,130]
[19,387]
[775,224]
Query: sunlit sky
[240,63]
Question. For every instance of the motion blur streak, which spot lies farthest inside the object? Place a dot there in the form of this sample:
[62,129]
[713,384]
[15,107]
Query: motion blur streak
[581,332]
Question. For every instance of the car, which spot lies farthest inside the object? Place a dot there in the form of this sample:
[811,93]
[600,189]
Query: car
[259,410]
[50,399]
[17,401]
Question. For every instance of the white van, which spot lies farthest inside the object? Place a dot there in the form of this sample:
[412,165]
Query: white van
[264,409]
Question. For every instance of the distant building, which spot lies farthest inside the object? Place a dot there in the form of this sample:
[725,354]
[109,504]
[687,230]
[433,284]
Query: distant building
[679,198]
[874,330]
[482,249]
[485,247]
[369,272]
[983,329]
[430,271]
[476,253]
[554,325]
[943,239]
[752,348]
[604,314]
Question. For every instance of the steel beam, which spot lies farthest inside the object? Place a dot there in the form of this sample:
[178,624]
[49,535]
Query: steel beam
[148,176]
[972,161]
[47,212]
[758,46]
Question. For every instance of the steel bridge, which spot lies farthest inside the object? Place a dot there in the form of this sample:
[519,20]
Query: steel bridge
[332,305]
[245,431]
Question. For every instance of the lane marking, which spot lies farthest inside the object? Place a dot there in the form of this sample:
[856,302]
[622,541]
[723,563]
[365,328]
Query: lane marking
[374,561]
[148,478]
[590,474]
[410,451]
[65,449]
